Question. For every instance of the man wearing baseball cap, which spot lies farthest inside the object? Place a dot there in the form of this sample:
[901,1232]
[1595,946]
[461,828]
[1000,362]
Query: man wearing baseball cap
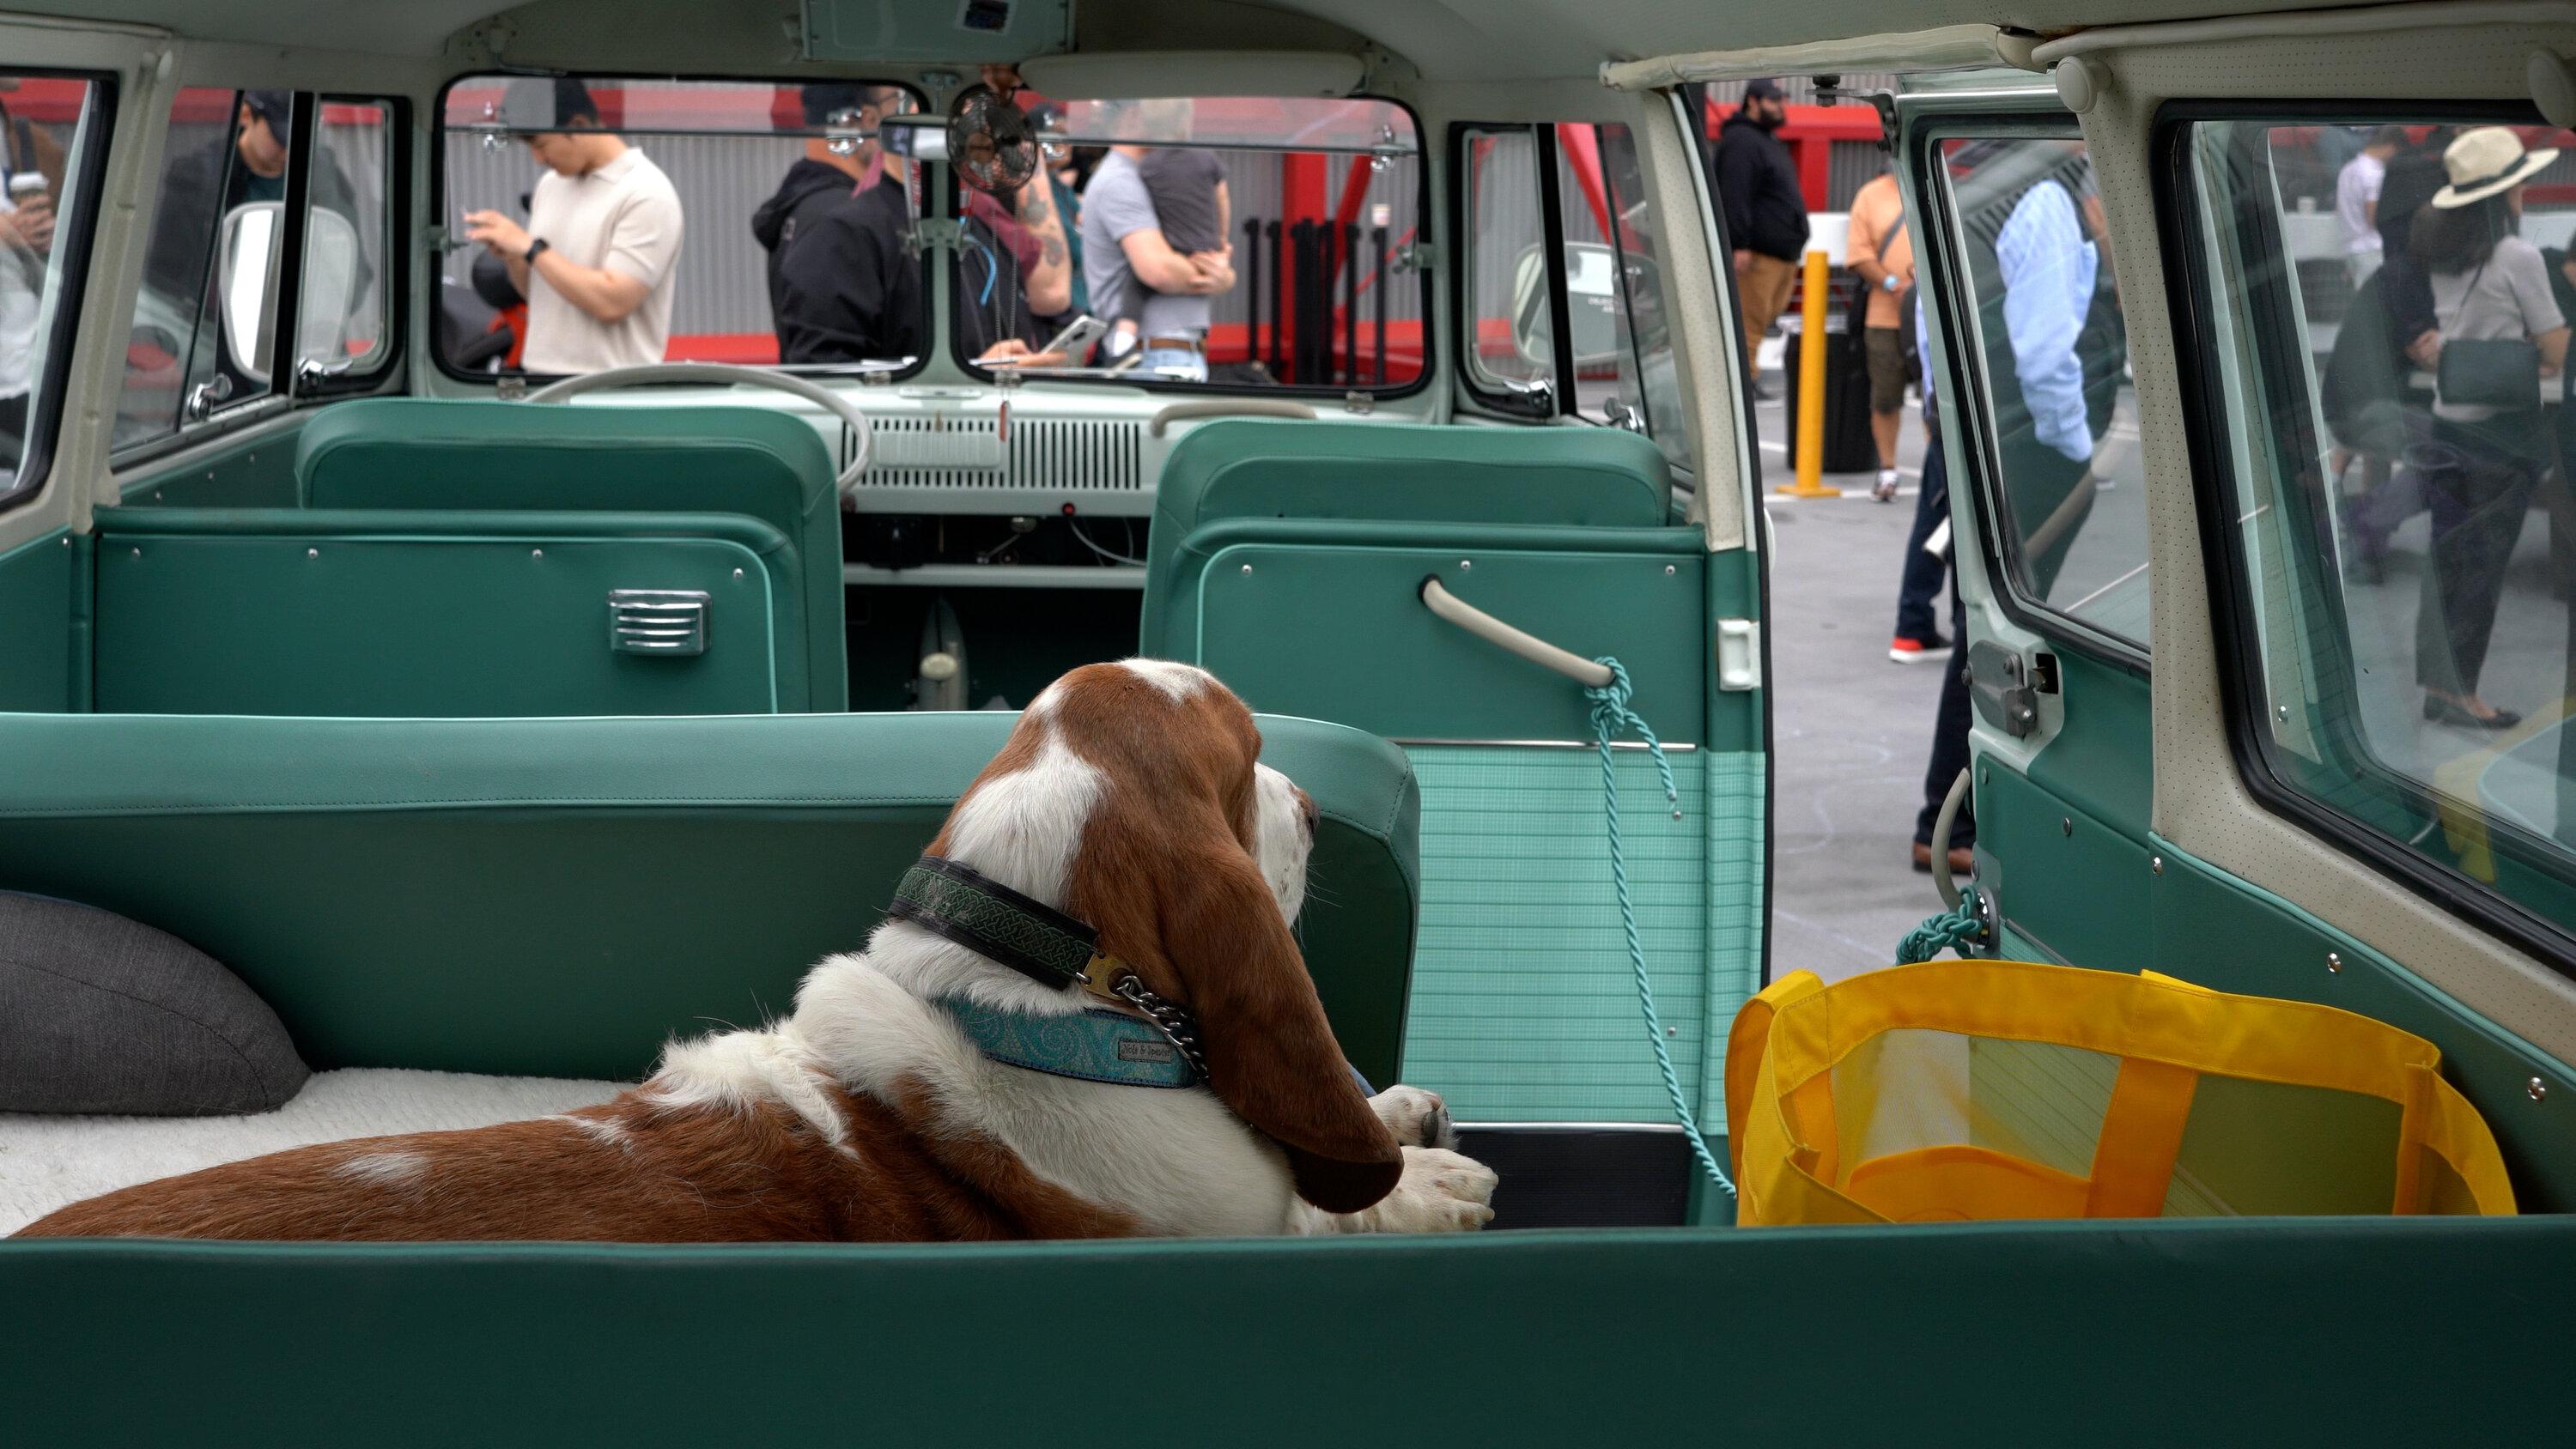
[201,187]
[1766,213]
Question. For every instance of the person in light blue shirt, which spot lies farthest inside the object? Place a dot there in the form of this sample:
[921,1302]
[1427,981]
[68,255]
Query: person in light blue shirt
[2049,270]
[2051,339]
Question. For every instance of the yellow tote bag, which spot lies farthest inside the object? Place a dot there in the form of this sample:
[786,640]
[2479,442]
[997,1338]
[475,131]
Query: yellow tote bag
[1962,1090]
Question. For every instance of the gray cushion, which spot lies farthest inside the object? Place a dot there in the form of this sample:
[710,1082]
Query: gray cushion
[102,1014]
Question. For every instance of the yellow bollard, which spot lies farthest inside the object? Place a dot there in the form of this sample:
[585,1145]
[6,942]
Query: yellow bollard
[1811,389]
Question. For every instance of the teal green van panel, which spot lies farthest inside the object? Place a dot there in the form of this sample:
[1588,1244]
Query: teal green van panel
[1340,633]
[252,472]
[1524,1001]
[559,897]
[2216,930]
[419,626]
[38,588]
[2103,761]
[2066,882]
[2275,1332]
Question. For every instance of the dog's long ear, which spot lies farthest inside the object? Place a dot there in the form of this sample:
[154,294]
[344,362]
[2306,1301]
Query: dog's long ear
[1271,1054]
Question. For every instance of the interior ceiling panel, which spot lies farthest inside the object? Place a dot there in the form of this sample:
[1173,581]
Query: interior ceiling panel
[1447,39]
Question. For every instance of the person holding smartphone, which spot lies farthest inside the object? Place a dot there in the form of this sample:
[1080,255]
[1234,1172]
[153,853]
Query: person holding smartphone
[31,175]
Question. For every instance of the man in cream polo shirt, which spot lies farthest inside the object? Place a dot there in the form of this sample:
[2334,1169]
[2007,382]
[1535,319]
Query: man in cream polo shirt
[599,254]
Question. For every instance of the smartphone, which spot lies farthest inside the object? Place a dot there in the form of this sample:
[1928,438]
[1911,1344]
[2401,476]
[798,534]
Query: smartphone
[1074,342]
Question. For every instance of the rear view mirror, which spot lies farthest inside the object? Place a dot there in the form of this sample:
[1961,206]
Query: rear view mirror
[253,239]
[1591,305]
[923,138]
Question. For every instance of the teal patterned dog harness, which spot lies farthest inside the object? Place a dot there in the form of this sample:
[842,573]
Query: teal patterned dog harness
[1134,1038]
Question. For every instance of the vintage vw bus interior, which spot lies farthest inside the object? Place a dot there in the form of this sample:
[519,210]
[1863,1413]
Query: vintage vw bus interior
[494,722]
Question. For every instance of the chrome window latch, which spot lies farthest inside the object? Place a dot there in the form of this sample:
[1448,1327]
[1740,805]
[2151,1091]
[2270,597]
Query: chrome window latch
[671,622]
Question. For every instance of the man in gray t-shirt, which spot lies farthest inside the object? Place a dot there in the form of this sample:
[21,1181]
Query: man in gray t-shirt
[1134,271]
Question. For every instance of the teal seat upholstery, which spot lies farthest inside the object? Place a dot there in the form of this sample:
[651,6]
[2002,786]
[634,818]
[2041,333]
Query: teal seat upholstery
[559,897]
[485,458]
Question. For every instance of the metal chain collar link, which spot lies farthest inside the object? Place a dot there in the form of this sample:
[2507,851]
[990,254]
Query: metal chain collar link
[1175,1023]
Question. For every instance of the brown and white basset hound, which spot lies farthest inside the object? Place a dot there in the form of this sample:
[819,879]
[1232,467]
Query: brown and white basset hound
[1128,799]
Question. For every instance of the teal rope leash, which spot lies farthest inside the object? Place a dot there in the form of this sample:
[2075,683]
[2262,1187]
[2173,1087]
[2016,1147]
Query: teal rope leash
[1956,929]
[1610,715]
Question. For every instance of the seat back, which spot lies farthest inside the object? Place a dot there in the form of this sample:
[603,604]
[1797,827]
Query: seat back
[1248,468]
[481,461]
[559,897]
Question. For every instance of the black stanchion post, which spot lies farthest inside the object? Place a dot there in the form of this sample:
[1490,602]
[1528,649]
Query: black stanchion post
[1377,281]
[1299,300]
[1278,299]
[1351,302]
[1252,293]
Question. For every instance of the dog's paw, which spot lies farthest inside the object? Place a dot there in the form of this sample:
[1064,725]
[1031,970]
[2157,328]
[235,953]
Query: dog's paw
[1441,1192]
[1416,1117]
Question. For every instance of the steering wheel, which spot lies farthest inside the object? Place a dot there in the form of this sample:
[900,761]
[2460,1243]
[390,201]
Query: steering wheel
[726,373]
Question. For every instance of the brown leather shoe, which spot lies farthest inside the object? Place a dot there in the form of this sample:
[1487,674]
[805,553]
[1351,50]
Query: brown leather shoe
[1963,860]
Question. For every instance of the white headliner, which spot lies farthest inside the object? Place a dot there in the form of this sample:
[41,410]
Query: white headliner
[1460,40]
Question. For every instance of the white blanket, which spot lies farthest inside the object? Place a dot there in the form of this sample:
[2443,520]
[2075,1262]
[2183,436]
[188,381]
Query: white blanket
[50,1162]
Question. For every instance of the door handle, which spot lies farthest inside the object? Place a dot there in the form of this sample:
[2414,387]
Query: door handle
[1437,598]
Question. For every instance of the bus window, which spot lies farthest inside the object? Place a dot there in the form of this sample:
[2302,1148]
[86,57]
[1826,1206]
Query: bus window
[340,312]
[2039,328]
[1507,342]
[2388,303]
[686,221]
[49,128]
[1231,242]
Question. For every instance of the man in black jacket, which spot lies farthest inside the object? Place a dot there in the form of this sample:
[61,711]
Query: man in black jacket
[842,288]
[1766,212]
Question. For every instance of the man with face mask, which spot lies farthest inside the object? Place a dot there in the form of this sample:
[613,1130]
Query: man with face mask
[1756,183]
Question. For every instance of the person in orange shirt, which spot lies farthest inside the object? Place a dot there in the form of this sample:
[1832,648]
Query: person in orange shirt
[1881,251]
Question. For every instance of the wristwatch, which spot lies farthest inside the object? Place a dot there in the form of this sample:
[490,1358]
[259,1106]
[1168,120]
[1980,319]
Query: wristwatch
[536,248]
[1888,281]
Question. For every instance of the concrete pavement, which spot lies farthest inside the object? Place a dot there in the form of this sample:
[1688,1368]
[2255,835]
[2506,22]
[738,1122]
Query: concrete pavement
[1851,731]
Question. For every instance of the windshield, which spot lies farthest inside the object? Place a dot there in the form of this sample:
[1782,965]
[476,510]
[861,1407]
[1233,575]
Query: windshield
[1260,242]
[671,220]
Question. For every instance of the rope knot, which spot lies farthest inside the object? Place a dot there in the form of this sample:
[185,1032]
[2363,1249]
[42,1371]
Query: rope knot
[1956,929]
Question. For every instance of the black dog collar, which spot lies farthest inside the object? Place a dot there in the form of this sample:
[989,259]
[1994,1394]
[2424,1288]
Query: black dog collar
[992,920]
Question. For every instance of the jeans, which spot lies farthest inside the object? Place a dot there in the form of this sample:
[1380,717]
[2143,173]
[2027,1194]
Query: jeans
[1920,583]
[2479,486]
[1175,361]
[1949,740]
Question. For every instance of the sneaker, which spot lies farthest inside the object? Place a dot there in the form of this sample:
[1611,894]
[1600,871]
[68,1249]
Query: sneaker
[1914,651]
[1885,489]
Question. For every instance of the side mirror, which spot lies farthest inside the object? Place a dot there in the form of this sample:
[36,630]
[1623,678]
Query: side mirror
[246,260]
[1591,305]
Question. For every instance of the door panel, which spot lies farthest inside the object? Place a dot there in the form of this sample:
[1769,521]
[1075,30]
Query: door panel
[1343,633]
[36,649]
[2038,426]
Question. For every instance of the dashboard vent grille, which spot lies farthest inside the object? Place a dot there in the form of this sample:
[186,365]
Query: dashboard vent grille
[1043,455]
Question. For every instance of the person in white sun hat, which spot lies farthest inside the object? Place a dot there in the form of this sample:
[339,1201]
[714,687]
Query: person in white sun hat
[2501,332]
